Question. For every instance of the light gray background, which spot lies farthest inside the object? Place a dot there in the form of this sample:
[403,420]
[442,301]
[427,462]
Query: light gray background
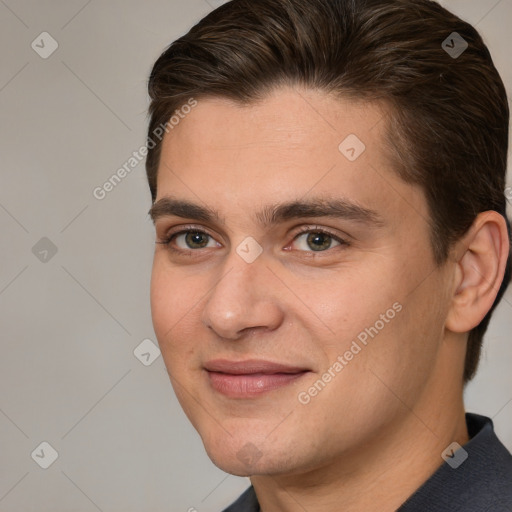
[68,374]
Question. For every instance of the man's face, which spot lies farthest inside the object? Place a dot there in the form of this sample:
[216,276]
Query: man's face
[347,300]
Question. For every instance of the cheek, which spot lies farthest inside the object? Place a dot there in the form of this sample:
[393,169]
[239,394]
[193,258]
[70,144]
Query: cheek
[375,323]
[349,304]
[168,301]
[161,302]
[174,303]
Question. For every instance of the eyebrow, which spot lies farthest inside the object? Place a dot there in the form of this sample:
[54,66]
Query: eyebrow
[271,214]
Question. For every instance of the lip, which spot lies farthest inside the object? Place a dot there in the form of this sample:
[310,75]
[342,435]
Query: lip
[250,378]
[250,366]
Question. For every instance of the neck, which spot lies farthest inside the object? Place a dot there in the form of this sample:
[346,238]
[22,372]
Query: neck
[386,470]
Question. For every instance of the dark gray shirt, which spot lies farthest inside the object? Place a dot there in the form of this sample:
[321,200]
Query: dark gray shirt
[481,483]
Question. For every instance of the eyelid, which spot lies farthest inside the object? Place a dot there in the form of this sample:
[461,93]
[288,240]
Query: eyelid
[315,228]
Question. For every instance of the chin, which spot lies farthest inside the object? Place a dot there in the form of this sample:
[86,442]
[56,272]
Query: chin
[235,469]
[234,466]
[242,457]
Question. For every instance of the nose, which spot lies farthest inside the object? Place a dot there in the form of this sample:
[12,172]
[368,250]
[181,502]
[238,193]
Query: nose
[243,299]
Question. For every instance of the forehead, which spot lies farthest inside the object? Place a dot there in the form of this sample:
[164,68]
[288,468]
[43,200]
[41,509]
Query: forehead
[293,144]
[290,121]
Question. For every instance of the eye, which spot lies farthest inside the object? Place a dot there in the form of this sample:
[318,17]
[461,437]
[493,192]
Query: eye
[189,239]
[312,239]
[317,240]
[194,240]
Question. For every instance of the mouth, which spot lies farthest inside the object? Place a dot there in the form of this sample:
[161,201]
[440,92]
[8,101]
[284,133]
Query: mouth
[250,378]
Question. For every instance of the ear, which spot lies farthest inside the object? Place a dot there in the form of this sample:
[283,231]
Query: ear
[480,260]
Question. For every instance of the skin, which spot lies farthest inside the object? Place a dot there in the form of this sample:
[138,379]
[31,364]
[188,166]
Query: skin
[376,431]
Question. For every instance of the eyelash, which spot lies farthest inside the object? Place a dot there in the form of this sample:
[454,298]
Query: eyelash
[310,229]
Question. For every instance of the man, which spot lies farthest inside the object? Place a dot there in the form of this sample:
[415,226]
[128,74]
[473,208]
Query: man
[331,242]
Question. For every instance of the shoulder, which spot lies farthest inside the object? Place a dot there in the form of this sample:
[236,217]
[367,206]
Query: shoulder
[247,502]
[490,475]
[481,482]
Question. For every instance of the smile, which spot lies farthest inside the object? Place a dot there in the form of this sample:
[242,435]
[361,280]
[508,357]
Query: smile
[246,379]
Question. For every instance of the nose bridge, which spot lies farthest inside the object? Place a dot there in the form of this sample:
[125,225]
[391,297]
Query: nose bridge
[242,297]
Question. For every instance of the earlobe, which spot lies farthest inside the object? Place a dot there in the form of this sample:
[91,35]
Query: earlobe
[481,259]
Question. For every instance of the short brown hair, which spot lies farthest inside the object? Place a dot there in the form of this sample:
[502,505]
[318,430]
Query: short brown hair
[448,131]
